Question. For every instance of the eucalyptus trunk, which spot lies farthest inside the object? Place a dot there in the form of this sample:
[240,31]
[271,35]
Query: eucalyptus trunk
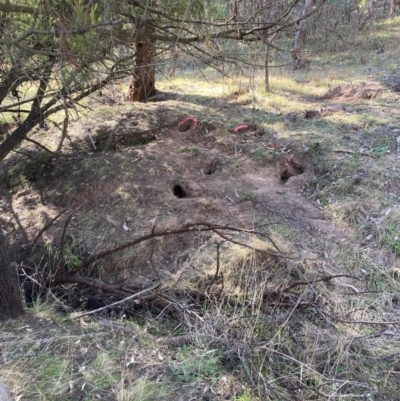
[392,8]
[301,34]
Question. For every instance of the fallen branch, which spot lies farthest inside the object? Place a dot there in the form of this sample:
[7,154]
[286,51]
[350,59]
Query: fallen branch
[48,150]
[153,287]
[357,321]
[326,278]
[47,226]
[352,152]
[252,247]
[59,271]
[177,341]
[66,308]
[99,284]
[192,227]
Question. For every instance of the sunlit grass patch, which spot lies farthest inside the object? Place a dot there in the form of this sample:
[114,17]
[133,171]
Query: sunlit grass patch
[290,86]
[103,372]
[43,309]
[143,390]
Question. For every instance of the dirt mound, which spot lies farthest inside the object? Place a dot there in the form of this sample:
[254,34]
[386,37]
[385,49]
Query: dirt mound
[354,92]
[204,173]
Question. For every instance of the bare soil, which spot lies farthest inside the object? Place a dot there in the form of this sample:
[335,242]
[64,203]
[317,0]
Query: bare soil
[207,173]
[134,168]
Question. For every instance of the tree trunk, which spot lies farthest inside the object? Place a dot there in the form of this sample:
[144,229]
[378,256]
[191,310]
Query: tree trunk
[392,8]
[301,34]
[268,42]
[373,8]
[143,80]
[266,62]
[266,15]
[34,117]
[371,14]
[10,296]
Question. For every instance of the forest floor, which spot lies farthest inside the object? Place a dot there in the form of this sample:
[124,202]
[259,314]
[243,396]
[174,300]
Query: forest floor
[297,300]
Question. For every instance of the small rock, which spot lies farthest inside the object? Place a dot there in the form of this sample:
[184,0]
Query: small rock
[394,272]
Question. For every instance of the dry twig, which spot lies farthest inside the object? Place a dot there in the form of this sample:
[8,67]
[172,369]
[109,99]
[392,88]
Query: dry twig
[130,297]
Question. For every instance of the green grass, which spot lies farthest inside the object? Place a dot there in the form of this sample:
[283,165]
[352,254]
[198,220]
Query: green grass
[52,376]
[142,390]
[192,366]
[389,230]
[244,397]
[249,196]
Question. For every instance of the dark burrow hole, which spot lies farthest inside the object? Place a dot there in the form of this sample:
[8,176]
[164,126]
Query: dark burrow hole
[211,168]
[285,175]
[179,192]
[290,169]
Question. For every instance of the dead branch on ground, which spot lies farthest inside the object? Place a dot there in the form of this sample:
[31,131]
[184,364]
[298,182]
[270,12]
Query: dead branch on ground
[188,228]
[47,226]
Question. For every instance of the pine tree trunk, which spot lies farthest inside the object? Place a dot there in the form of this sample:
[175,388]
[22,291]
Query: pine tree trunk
[10,296]
[143,80]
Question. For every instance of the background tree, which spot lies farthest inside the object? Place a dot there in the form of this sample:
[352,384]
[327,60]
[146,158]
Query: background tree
[301,34]
[52,58]
[55,55]
[392,8]
[10,297]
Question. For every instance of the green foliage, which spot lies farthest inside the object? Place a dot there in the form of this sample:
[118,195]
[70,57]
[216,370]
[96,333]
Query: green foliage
[54,373]
[194,151]
[390,235]
[248,196]
[264,155]
[190,367]
[245,397]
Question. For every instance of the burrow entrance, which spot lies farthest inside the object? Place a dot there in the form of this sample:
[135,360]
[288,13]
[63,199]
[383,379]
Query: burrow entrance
[289,168]
[210,168]
[179,192]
